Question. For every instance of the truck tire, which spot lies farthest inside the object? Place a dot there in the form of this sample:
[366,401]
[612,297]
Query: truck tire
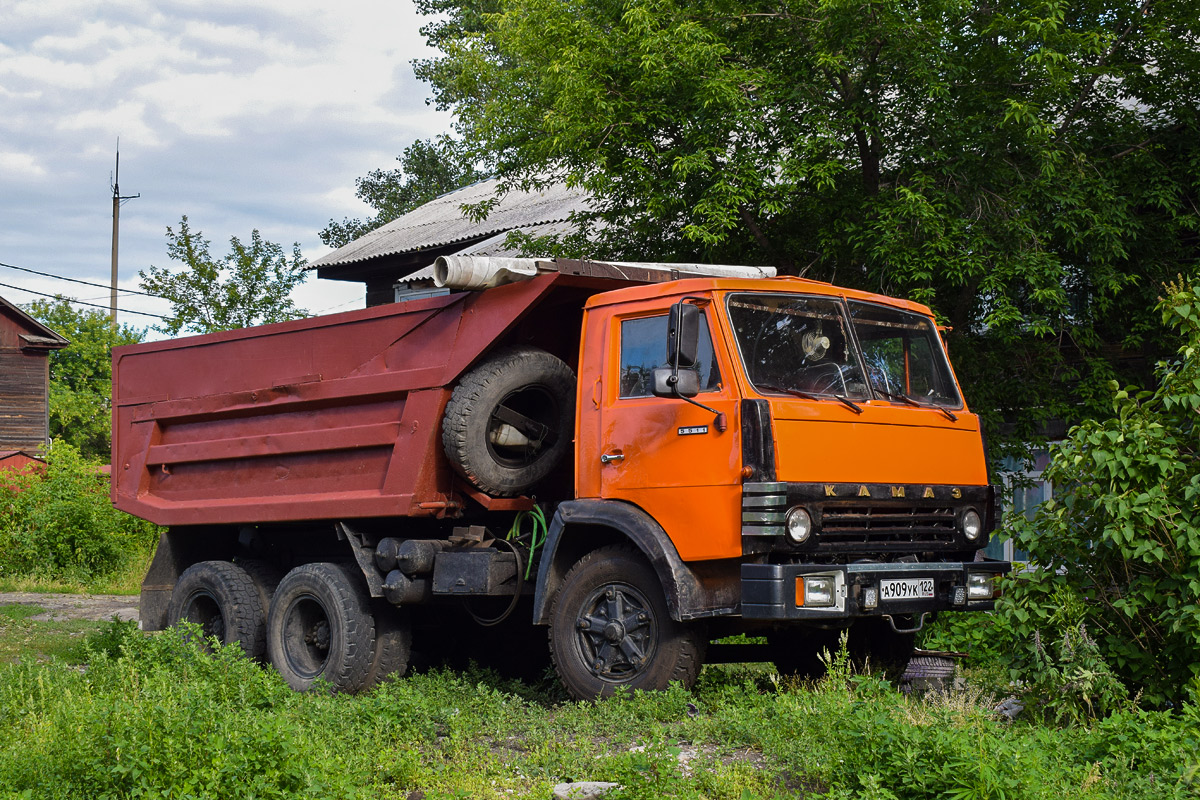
[393,643]
[509,421]
[221,598]
[796,651]
[266,577]
[320,626]
[609,627]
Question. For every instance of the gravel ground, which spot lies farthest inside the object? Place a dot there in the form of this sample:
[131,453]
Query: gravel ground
[75,606]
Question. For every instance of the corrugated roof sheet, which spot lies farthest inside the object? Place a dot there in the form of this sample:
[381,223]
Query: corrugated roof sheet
[441,222]
[494,246]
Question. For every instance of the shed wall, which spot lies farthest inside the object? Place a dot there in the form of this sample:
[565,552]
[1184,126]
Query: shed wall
[24,405]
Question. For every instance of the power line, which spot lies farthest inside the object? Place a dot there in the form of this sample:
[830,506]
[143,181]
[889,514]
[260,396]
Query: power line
[76,280]
[79,302]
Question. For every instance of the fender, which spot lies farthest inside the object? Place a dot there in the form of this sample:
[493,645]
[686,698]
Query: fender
[688,595]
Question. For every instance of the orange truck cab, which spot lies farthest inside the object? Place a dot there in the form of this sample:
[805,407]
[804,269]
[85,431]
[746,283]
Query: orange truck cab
[771,456]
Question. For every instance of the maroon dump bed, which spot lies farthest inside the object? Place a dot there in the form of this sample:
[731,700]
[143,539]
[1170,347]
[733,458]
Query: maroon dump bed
[326,418]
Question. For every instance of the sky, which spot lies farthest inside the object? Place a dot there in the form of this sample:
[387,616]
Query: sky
[252,114]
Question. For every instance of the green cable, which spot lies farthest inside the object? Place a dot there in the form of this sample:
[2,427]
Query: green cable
[537,533]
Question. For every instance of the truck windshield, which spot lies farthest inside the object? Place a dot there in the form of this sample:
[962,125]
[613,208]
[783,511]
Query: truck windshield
[796,345]
[904,356]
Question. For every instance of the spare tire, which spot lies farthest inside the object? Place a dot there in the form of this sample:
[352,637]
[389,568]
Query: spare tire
[509,422]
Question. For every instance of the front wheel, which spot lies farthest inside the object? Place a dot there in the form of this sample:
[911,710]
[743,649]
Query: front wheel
[320,626]
[609,627]
[222,599]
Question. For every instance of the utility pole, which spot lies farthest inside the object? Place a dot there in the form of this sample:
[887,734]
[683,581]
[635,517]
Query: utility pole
[117,200]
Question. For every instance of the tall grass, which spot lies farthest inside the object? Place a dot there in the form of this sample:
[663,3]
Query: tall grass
[163,717]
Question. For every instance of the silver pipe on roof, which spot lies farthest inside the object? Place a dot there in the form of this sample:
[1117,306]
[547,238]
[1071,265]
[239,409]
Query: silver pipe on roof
[484,272]
[710,270]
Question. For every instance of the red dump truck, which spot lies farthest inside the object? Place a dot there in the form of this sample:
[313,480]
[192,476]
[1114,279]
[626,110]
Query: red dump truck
[637,459]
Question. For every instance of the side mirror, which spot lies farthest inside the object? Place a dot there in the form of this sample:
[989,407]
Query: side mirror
[669,384]
[683,335]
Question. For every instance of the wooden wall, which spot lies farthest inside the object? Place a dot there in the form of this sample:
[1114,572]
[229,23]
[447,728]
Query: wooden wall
[24,407]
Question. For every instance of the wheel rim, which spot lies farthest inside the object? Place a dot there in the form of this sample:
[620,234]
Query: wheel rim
[533,412]
[204,610]
[616,633]
[306,637]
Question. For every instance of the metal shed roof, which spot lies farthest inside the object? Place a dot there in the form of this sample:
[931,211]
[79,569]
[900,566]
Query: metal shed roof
[441,221]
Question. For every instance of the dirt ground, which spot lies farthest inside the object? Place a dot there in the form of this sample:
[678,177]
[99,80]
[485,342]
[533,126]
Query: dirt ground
[75,606]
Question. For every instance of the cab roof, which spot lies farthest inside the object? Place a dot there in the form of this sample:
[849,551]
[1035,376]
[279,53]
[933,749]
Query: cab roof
[782,285]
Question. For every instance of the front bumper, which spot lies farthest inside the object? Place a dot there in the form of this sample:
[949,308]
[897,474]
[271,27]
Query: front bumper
[769,591]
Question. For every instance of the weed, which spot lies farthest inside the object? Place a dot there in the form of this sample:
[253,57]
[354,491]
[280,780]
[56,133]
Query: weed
[162,715]
[59,524]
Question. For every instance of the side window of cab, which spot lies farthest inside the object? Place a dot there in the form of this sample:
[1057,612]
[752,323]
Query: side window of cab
[644,347]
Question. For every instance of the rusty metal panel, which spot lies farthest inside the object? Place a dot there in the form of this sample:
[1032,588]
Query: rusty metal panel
[335,417]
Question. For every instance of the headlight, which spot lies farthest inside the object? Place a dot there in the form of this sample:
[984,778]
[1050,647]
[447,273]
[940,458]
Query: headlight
[979,585]
[972,525]
[799,525]
[816,591]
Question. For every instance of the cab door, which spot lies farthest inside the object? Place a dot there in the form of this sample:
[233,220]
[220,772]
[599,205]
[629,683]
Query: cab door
[665,455]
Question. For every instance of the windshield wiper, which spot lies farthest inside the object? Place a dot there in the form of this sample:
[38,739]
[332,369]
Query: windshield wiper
[841,398]
[899,398]
[908,401]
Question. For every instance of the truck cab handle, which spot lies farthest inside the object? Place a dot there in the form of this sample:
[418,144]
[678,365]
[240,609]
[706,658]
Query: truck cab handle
[608,458]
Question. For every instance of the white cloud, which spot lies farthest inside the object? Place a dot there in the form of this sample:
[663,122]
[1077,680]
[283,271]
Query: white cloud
[20,163]
[241,115]
[128,118]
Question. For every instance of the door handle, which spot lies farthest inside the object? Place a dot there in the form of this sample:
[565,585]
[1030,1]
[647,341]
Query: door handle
[609,458]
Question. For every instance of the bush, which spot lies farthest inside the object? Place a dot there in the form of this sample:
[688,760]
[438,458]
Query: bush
[1122,541]
[60,523]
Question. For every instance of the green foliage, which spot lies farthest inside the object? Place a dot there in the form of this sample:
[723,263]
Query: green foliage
[61,523]
[252,285]
[1120,546]
[81,374]
[428,169]
[1069,681]
[982,636]
[1029,170]
[163,715]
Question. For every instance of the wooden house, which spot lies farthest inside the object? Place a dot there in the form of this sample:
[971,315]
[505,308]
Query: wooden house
[25,346]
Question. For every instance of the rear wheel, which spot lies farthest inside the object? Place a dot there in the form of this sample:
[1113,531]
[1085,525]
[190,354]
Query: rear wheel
[609,627]
[222,599]
[320,626]
[393,643]
[266,577]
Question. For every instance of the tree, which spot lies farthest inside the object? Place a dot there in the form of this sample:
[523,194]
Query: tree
[81,374]
[1030,170]
[427,170]
[250,286]
[1122,544]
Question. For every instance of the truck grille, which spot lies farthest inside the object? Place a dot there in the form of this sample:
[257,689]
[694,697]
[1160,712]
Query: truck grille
[867,524]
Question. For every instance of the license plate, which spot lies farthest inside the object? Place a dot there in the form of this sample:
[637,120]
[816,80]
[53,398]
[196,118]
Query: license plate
[911,589]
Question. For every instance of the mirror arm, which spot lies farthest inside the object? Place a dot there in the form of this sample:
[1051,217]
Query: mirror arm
[721,422]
